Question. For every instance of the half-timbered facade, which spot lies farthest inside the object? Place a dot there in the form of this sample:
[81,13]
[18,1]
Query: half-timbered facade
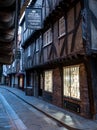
[60,58]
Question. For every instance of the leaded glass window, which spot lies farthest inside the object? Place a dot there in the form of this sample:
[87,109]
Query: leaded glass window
[71,82]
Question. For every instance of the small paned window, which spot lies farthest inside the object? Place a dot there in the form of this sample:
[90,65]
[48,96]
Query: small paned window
[71,82]
[48,81]
[61,26]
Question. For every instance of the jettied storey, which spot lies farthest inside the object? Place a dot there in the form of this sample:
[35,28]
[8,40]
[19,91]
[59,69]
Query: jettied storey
[8,29]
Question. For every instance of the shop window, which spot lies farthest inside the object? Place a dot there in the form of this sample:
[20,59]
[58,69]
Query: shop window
[61,26]
[48,81]
[47,38]
[71,82]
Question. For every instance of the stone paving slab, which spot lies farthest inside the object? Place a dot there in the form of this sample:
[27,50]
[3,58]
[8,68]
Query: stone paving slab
[68,119]
[8,118]
[31,117]
[5,121]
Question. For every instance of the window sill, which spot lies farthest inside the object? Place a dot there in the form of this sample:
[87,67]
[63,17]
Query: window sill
[47,44]
[76,99]
[62,35]
[50,92]
[29,56]
[37,51]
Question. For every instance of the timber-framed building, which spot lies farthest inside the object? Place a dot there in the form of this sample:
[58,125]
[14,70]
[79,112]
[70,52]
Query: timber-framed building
[61,57]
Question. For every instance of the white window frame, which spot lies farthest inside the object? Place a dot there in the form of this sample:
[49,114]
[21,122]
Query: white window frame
[47,37]
[62,31]
[48,81]
[71,82]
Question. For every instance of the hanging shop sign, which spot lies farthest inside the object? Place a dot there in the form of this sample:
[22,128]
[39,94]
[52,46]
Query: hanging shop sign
[33,17]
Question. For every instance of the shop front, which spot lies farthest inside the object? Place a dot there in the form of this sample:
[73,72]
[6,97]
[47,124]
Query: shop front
[67,87]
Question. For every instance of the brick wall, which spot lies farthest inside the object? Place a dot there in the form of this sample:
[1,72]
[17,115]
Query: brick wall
[57,88]
[85,109]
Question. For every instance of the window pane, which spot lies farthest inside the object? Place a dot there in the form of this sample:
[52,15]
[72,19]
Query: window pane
[48,81]
[29,50]
[67,82]
[47,37]
[61,26]
[75,82]
[71,82]
[21,82]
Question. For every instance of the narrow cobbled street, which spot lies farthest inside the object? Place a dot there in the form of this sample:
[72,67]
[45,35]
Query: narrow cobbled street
[18,115]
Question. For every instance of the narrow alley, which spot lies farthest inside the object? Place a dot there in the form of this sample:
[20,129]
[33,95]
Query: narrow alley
[18,115]
[48,64]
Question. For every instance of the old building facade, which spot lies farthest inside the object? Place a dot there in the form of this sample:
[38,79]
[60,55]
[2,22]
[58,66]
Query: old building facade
[60,58]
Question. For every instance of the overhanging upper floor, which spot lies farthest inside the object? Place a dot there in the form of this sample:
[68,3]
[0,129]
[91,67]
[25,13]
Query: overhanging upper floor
[8,29]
